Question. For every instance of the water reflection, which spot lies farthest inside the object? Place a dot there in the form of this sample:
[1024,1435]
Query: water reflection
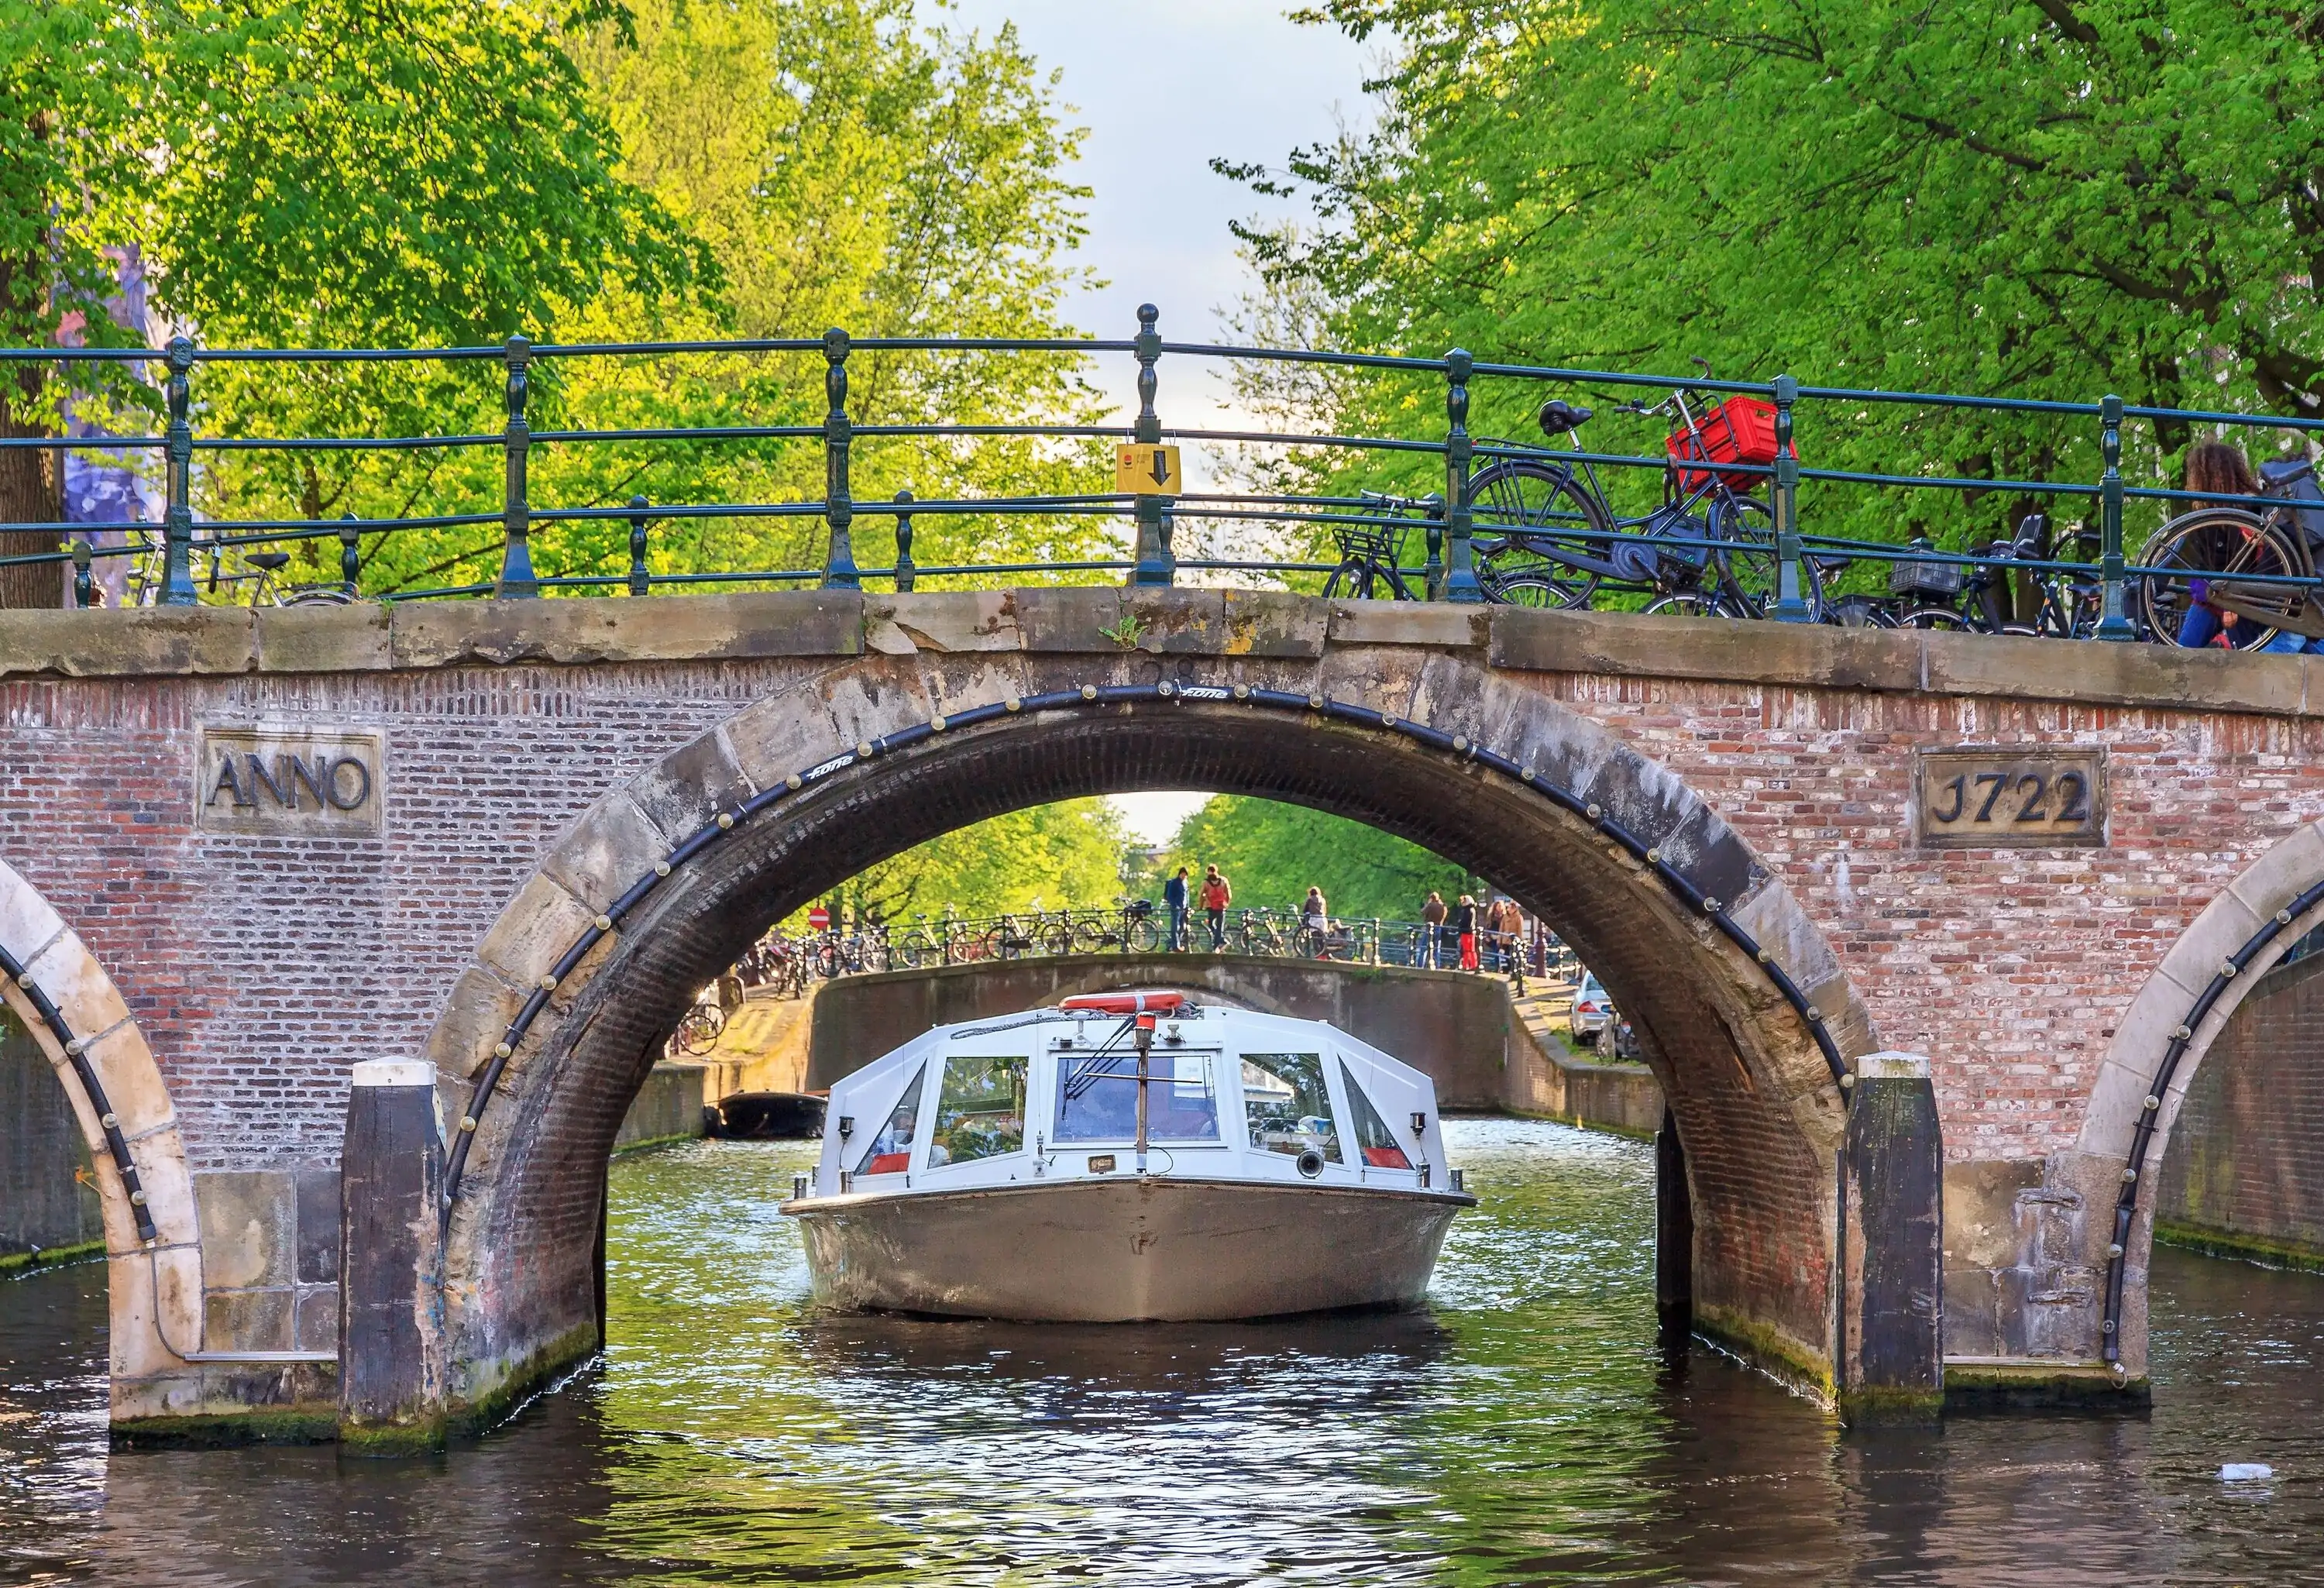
[1528,1429]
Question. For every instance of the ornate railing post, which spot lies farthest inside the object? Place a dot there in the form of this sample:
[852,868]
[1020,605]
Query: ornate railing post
[1155,565]
[84,587]
[1460,561]
[905,570]
[2113,624]
[178,515]
[1791,606]
[838,440]
[640,580]
[1432,571]
[517,578]
[350,556]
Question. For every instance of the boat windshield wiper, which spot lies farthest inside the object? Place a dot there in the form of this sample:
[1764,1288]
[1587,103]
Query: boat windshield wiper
[1089,1075]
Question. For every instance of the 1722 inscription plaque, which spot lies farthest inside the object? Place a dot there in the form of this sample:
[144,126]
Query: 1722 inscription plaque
[2010,797]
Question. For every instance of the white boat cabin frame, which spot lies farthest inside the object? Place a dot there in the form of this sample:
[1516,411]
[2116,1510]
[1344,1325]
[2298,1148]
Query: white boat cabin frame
[1232,1095]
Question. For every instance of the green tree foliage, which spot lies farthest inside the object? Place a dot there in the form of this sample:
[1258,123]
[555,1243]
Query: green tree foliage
[1273,852]
[1062,856]
[2049,199]
[300,172]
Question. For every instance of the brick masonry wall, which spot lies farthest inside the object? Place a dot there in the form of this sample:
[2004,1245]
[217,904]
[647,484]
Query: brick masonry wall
[2246,1164]
[261,968]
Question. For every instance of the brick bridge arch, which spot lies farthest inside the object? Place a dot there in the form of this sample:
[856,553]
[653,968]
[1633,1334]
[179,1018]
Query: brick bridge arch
[54,985]
[665,881]
[2158,1046]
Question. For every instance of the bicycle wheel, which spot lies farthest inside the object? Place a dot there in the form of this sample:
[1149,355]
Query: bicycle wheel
[2210,544]
[1540,508]
[1145,937]
[1747,566]
[1943,619]
[1688,603]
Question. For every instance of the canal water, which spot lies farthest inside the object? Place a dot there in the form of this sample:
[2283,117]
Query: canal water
[1528,1428]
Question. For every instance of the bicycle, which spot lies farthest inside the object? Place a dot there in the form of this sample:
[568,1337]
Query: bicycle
[1708,548]
[2239,555]
[1370,553]
[699,1030]
[1132,929]
[1256,933]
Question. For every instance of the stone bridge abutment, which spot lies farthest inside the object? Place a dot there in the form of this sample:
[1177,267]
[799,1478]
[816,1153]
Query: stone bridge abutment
[581,809]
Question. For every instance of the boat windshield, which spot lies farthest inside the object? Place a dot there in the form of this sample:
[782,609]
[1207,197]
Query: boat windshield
[1097,1098]
[1374,1140]
[891,1152]
[981,1112]
[1287,1105]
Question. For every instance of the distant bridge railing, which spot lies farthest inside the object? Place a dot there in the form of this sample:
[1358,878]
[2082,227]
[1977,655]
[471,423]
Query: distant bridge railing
[1478,546]
[790,961]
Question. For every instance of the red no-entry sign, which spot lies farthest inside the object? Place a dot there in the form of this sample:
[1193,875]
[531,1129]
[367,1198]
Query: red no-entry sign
[818,920]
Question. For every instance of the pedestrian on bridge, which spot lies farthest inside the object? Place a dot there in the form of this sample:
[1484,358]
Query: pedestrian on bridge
[1464,927]
[1316,919]
[1432,927]
[1216,896]
[1173,895]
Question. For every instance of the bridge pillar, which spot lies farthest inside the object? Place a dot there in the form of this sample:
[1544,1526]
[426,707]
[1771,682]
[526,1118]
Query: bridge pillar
[1892,1327]
[391,1300]
[1673,1229]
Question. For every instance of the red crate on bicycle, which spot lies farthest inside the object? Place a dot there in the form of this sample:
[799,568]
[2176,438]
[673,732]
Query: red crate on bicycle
[1741,430]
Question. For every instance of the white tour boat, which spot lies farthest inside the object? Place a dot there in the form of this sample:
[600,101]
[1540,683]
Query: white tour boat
[1129,1155]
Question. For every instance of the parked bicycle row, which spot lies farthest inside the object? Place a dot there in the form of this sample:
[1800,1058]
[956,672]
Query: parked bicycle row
[2236,569]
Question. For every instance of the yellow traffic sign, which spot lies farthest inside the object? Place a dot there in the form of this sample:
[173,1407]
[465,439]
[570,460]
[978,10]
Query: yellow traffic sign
[1146,469]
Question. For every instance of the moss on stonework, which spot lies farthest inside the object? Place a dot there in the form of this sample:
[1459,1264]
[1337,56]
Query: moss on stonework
[220,1430]
[2037,1385]
[19,1261]
[2258,1248]
[1767,1349]
[390,1440]
[1889,1404]
[536,1372]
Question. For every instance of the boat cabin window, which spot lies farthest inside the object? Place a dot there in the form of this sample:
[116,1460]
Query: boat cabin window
[1097,1098]
[981,1112]
[1374,1140]
[1286,1106]
[890,1152]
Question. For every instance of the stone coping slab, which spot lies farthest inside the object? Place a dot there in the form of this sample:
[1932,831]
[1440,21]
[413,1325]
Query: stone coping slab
[366,637]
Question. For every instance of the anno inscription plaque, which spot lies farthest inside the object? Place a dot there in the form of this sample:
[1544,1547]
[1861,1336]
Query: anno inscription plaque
[299,782]
[2009,797]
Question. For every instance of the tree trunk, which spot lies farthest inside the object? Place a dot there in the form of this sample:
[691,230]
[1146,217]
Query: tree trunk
[32,491]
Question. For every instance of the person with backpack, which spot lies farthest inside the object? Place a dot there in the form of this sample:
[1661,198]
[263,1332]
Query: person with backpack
[1216,896]
[1174,898]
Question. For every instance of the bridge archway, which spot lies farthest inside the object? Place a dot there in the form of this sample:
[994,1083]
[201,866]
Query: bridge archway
[2159,1046]
[1742,1011]
[55,986]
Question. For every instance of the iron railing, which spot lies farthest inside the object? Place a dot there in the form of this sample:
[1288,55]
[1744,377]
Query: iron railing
[791,960]
[525,529]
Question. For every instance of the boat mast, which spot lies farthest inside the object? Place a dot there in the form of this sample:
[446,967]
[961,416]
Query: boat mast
[1145,1055]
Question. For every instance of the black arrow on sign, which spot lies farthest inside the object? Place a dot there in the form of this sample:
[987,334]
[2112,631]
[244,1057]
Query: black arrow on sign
[1161,466]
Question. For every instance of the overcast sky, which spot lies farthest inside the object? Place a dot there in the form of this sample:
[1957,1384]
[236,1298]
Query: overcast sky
[1162,90]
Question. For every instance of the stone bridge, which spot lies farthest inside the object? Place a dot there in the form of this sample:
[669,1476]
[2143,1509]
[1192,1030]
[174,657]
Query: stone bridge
[504,841]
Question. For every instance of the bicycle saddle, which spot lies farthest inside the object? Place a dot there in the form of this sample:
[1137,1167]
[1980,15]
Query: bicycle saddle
[1558,415]
[268,561]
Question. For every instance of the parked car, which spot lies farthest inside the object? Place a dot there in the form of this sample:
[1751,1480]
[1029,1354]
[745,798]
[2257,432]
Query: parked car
[1586,1022]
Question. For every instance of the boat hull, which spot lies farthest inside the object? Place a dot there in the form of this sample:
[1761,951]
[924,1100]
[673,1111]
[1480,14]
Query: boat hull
[1115,1251]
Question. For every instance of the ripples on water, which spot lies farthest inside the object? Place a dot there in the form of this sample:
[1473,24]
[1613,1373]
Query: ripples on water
[1528,1429]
